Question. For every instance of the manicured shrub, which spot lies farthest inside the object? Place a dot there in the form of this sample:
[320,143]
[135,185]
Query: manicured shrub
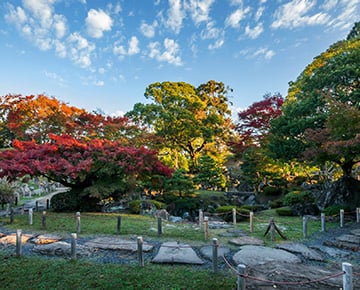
[276,203]
[298,197]
[334,209]
[66,201]
[284,211]
[272,190]
[135,205]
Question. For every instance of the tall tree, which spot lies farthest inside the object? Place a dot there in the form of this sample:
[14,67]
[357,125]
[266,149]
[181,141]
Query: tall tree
[185,117]
[333,76]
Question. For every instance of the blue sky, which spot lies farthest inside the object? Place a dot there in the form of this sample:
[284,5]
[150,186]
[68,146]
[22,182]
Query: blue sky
[99,54]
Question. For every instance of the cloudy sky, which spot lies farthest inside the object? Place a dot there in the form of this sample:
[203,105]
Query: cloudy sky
[103,54]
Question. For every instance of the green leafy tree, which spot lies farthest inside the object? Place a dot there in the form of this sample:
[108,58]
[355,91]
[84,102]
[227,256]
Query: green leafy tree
[333,77]
[210,174]
[180,182]
[186,118]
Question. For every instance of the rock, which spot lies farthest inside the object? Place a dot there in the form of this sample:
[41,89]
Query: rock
[174,252]
[355,232]
[46,239]
[175,219]
[306,252]
[11,239]
[349,239]
[207,252]
[332,252]
[109,243]
[162,213]
[219,225]
[257,255]
[60,249]
[245,240]
[342,245]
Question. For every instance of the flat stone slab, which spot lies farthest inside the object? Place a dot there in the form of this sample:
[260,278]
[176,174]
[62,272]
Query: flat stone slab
[297,248]
[332,252]
[259,255]
[349,239]
[109,243]
[219,225]
[47,239]
[355,232]
[11,239]
[207,252]
[175,252]
[246,240]
[62,249]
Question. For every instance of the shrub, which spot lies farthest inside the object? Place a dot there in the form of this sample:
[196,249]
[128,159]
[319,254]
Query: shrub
[66,201]
[135,205]
[276,203]
[284,211]
[296,197]
[272,190]
[334,209]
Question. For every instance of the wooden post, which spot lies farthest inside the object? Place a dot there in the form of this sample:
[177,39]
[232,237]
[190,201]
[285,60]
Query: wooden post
[119,224]
[43,220]
[241,283]
[11,215]
[30,216]
[47,204]
[341,218]
[36,206]
[73,245]
[201,218]
[206,228]
[78,222]
[159,223]
[323,226]
[234,216]
[18,243]
[215,254]
[23,209]
[305,227]
[251,222]
[347,277]
[140,251]
[358,214]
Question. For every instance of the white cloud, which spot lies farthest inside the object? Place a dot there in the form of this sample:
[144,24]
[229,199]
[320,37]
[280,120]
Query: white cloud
[259,13]
[294,14]
[170,53]
[60,26]
[254,32]
[349,14]
[199,10]
[42,10]
[329,4]
[99,83]
[148,30]
[60,48]
[16,15]
[97,22]
[267,53]
[234,19]
[121,51]
[211,32]
[54,76]
[176,15]
[80,49]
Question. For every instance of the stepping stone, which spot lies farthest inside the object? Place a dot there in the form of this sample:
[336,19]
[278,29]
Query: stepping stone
[349,239]
[306,252]
[109,243]
[207,252]
[47,239]
[355,232]
[11,239]
[258,255]
[246,240]
[174,252]
[60,249]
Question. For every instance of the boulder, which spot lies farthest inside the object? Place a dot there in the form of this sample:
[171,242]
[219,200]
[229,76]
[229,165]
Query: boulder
[175,252]
[207,252]
[62,249]
[110,243]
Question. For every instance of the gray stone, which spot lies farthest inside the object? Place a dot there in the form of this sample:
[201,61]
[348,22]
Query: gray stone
[332,252]
[246,240]
[207,252]
[47,239]
[175,219]
[109,243]
[355,232]
[174,252]
[62,249]
[258,255]
[219,225]
[306,252]
[349,239]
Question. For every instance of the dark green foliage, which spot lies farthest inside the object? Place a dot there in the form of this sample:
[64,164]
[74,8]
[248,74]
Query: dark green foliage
[65,201]
[276,203]
[284,211]
[298,197]
[272,190]
[6,192]
[180,182]
[334,210]
[136,205]
[210,174]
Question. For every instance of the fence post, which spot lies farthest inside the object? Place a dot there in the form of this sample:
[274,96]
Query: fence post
[11,215]
[73,245]
[140,251]
[118,224]
[43,221]
[36,206]
[272,229]
[251,222]
[78,222]
[215,254]
[201,218]
[341,218]
[358,214]
[241,283]
[30,216]
[206,227]
[18,243]
[47,204]
[234,216]
[323,226]
[347,277]
[305,227]
[159,223]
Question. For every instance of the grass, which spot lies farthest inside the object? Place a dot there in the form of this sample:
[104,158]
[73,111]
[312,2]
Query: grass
[41,273]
